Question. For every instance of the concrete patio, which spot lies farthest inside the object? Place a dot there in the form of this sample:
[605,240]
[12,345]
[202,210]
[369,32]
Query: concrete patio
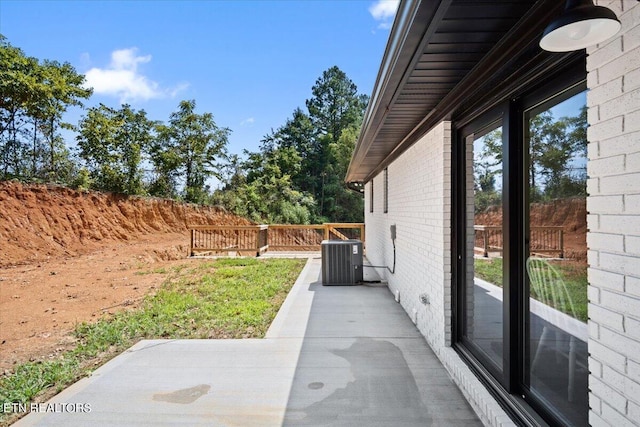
[334,355]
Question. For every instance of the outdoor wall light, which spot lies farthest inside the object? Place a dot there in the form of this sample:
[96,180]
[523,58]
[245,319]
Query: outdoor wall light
[581,24]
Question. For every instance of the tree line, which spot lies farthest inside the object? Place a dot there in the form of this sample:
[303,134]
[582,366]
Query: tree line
[556,161]
[296,176]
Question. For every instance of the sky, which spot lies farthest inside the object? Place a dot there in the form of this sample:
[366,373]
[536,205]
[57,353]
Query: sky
[249,63]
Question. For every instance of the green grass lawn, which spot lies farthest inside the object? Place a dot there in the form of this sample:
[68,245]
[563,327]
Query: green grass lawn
[224,298]
[574,275]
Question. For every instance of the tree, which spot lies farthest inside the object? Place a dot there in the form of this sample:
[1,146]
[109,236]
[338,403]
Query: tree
[188,149]
[557,151]
[335,104]
[553,144]
[341,204]
[64,88]
[299,133]
[33,98]
[19,87]
[487,165]
[573,181]
[233,174]
[334,108]
[298,173]
[112,143]
[268,194]
[299,170]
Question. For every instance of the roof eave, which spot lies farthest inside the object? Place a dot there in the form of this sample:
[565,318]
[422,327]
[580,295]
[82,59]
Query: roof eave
[413,18]
[415,25]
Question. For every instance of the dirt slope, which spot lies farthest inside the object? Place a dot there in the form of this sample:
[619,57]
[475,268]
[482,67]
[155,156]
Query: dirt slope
[39,222]
[68,257]
[571,214]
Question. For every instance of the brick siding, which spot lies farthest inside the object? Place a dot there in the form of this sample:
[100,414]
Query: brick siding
[613,221]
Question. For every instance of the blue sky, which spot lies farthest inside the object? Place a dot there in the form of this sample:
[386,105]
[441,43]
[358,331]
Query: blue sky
[250,63]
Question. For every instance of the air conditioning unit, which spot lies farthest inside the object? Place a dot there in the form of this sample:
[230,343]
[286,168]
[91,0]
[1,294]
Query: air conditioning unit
[341,262]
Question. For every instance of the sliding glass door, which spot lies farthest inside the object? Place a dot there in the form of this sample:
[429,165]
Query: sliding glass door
[520,249]
[556,263]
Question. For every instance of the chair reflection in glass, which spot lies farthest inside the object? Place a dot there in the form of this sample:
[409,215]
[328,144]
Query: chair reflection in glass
[547,286]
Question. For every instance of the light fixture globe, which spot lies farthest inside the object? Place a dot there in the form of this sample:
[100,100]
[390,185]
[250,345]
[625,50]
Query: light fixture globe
[582,24]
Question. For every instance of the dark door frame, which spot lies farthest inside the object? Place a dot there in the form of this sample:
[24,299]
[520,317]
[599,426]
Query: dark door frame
[567,76]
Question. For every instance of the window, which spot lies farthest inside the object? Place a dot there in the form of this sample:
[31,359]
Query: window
[520,231]
[386,190]
[371,196]
[484,299]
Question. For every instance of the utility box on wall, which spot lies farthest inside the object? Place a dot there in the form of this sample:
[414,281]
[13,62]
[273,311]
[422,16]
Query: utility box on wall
[341,262]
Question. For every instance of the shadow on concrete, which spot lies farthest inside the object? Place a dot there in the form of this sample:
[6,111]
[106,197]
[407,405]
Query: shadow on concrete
[363,363]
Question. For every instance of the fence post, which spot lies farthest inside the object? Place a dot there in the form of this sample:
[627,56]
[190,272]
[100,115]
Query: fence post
[326,231]
[266,238]
[257,240]
[191,244]
[561,243]
[485,238]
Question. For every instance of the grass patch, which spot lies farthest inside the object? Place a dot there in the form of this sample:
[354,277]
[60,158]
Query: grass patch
[225,298]
[489,270]
[573,273]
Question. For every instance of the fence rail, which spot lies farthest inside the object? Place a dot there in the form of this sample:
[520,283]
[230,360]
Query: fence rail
[542,240]
[215,239]
[223,238]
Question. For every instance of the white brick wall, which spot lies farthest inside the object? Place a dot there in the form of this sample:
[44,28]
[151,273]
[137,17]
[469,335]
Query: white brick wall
[614,222]
[419,188]
[420,206]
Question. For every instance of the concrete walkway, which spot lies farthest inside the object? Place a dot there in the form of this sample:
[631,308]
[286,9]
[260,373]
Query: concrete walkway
[334,356]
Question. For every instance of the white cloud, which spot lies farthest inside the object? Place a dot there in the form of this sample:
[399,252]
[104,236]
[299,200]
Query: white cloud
[248,122]
[177,89]
[384,11]
[123,79]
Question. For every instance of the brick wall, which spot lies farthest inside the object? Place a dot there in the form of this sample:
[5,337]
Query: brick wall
[420,207]
[613,220]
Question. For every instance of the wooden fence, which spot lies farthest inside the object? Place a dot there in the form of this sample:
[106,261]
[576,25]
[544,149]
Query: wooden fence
[542,240]
[227,238]
[216,239]
[487,239]
[545,240]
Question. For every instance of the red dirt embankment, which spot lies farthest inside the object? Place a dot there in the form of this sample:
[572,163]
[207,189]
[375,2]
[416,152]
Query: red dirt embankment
[38,222]
[571,214]
[68,256]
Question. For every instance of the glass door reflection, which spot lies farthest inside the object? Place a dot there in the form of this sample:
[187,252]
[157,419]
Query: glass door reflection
[483,282]
[556,264]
